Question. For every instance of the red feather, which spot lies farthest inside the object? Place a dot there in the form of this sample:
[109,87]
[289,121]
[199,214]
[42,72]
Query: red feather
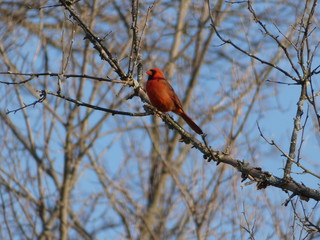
[163,97]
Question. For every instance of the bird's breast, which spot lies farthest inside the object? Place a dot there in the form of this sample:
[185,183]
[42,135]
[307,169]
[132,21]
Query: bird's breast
[159,94]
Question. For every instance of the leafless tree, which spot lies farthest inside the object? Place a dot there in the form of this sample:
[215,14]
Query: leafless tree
[85,156]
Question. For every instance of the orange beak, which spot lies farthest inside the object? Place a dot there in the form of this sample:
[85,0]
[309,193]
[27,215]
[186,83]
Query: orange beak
[149,73]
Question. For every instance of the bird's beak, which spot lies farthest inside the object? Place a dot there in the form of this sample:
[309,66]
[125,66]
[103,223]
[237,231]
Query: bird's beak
[149,73]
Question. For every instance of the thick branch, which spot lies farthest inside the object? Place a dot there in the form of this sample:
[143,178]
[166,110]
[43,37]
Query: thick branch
[256,174]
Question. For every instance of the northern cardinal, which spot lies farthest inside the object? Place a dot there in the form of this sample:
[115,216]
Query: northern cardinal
[163,97]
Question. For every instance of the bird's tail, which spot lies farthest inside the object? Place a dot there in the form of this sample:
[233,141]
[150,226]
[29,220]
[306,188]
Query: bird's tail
[191,123]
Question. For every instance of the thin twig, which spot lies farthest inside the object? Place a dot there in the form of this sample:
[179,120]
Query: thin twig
[268,80]
[275,38]
[285,154]
[80,103]
[42,95]
[105,54]
[228,41]
[33,75]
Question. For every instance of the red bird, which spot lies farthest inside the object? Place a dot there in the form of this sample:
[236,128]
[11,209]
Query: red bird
[163,97]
